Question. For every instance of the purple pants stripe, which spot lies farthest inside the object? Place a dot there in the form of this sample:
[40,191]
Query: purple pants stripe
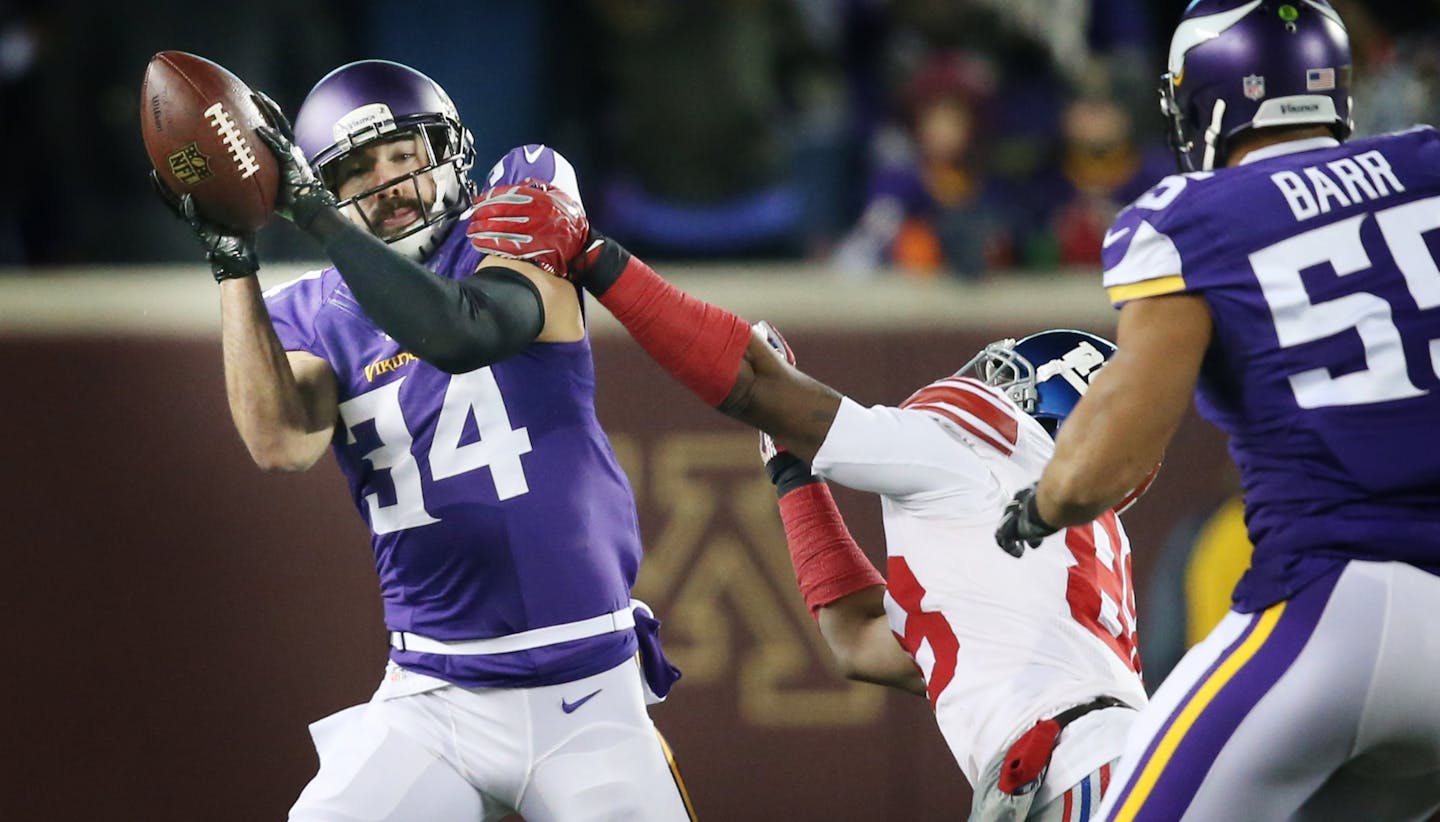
[1177,760]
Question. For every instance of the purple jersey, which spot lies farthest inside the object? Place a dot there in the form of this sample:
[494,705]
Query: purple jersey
[493,497]
[1318,263]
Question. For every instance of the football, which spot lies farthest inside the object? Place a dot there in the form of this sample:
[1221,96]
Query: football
[198,121]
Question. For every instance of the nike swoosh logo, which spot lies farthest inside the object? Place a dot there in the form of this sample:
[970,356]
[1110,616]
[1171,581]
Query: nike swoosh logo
[1112,236]
[572,707]
[532,156]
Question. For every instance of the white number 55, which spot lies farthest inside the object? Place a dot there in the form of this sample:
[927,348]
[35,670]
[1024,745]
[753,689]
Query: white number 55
[1299,320]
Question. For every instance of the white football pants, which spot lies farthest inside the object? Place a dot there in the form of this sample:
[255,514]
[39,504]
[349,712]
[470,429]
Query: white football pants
[584,750]
[1325,706]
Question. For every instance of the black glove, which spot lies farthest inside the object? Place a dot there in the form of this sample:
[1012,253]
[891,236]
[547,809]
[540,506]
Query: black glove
[1022,525]
[231,255]
[301,194]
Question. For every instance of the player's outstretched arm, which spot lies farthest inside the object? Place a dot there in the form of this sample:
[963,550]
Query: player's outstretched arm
[778,398]
[706,348]
[844,592]
[865,649]
[1120,428]
[283,405]
[455,325]
[842,589]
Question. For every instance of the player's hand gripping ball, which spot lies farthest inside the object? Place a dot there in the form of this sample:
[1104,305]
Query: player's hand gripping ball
[301,195]
[532,221]
[231,253]
[198,121]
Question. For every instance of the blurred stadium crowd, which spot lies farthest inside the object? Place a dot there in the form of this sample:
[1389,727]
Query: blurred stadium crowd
[936,138]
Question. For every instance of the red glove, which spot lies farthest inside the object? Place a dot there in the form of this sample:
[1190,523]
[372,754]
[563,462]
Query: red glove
[532,221]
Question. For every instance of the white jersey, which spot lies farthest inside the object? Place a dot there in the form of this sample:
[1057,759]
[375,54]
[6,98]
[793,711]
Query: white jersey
[1002,642]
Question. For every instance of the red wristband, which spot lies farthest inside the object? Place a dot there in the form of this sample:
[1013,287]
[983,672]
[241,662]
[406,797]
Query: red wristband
[699,344]
[828,563]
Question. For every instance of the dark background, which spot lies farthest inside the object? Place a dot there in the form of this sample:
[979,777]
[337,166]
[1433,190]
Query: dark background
[698,100]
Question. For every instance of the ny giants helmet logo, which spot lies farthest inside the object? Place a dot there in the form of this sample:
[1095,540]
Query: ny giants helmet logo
[1078,367]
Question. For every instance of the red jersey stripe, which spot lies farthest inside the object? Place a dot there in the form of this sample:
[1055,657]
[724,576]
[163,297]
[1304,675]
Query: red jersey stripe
[973,406]
[968,425]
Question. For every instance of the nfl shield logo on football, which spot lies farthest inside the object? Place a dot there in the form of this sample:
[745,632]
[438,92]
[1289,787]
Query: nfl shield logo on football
[190,166]
[1254,87]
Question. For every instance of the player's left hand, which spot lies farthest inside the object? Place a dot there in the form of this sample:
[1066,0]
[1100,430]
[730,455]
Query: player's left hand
[1022,525]
[771,336]
[532,221]
[231,255]
[301,195]
[785,469]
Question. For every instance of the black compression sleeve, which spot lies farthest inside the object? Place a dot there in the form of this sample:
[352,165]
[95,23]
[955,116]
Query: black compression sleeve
[455,325]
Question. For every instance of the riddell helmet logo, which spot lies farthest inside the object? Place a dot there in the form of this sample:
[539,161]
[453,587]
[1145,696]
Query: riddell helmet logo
[190,166]
[1254,87]
[1299,108]
[364,123]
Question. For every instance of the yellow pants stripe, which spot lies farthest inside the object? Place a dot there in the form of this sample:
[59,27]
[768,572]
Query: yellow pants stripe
[1191,711]
[675,773]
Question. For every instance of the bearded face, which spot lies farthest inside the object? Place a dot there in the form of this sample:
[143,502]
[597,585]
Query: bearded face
[391,195]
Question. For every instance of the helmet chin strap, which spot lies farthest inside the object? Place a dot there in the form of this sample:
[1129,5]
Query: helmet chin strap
[1212,136]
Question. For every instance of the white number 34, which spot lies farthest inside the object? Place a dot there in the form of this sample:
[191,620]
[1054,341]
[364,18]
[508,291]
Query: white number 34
[499,448]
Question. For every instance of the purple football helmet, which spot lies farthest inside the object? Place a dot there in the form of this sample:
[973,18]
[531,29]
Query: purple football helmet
[371,100]
[1045,373]
[1243,64]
